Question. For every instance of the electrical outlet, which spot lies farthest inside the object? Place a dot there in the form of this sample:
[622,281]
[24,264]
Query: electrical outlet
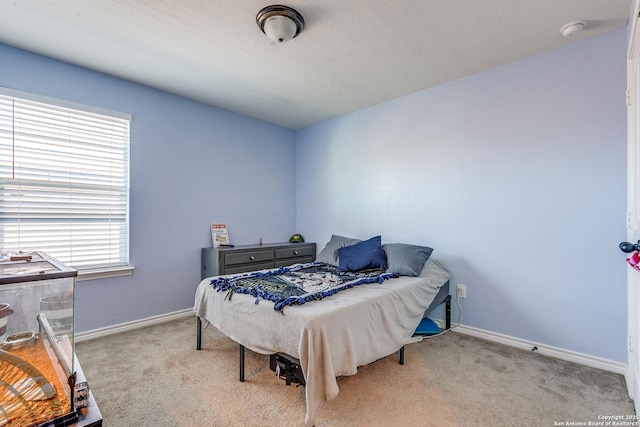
[461,291]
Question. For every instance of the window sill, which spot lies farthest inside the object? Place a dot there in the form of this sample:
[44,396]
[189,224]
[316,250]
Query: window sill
[104,273]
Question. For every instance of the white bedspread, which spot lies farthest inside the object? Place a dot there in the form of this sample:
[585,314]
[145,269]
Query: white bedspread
[331,337]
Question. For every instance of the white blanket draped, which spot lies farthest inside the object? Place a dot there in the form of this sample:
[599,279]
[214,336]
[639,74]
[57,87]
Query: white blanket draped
[331,337]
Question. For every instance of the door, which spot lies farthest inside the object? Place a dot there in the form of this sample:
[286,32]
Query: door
[633,201]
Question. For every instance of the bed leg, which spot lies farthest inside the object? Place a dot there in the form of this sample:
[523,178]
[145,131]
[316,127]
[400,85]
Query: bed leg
[448,312]
[241,363]
[198,333]
[401,356]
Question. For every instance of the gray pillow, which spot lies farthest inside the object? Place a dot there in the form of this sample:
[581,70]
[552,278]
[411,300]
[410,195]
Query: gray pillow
[406,260]
[329,254]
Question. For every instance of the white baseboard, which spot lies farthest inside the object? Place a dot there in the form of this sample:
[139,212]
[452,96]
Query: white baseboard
[558,353]
[136,324]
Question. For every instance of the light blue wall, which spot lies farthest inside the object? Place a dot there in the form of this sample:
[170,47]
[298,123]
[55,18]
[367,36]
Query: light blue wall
[191,165]
[516,176]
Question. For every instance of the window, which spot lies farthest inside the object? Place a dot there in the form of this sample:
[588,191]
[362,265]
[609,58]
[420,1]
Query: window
[64,182]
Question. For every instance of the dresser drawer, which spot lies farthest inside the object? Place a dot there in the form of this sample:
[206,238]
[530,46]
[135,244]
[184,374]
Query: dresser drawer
[303,251]
[248,267]
[248,257]
[290,261]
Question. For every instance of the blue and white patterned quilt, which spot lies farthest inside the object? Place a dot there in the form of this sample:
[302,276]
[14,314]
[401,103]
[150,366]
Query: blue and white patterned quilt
[297,284]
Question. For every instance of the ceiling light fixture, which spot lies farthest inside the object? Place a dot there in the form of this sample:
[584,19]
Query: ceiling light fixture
[572,28]
[280,23]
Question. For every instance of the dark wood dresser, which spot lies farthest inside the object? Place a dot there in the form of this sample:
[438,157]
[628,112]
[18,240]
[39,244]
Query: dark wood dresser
[240,259]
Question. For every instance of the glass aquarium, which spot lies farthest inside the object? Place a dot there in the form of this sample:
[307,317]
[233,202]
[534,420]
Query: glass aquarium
[38,384]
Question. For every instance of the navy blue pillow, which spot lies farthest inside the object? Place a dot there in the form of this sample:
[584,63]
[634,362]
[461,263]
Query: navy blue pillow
[363,255]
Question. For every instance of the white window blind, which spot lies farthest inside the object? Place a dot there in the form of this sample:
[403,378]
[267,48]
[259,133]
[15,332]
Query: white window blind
[64,181]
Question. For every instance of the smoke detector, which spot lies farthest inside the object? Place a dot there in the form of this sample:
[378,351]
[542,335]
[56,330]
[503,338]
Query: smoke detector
[572,28]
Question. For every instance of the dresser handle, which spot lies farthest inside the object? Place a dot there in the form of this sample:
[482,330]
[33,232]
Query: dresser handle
[252,258]
[295,252]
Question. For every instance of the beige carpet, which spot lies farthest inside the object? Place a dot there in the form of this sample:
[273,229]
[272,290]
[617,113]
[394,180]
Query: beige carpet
[156,377]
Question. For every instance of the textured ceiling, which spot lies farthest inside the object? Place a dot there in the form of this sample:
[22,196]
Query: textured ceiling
[352,53]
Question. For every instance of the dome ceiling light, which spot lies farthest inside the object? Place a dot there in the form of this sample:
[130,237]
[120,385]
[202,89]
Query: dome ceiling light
[280,23]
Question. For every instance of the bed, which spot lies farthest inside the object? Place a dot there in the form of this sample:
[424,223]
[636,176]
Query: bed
[334,336]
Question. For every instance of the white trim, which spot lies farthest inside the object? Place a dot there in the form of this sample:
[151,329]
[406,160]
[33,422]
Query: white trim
[633,227]
[558,353]
[104,273]
[136,324]
[635,9]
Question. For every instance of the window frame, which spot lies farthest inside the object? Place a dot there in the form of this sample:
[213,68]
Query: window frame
[121,269]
